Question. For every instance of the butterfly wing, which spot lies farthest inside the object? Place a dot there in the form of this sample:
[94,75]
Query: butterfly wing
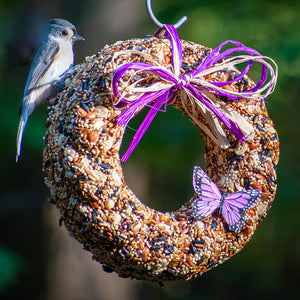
[236,204]
[209,195]
[234,217]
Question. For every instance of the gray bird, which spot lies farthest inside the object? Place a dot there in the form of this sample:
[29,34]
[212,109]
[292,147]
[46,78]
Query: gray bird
[49,68]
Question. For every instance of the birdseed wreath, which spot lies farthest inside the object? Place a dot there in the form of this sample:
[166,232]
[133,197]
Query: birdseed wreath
[83,170]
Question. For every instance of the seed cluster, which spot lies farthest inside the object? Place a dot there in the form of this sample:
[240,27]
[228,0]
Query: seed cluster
[83,171]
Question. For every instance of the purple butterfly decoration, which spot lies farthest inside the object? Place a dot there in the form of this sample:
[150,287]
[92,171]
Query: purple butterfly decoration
[231,206]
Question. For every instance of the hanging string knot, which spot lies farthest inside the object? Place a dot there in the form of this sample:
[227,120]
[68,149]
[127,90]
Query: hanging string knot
[182,81]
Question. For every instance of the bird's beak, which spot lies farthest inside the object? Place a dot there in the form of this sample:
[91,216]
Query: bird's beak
[77,37]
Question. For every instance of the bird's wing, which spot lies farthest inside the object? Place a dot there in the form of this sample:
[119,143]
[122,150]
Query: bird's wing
[41,63]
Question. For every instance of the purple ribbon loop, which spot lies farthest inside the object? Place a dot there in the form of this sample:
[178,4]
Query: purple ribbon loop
[137,95]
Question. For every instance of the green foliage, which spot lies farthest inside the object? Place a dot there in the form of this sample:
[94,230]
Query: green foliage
[10,267]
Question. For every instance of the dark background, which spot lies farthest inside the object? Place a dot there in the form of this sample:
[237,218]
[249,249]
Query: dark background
[38,259]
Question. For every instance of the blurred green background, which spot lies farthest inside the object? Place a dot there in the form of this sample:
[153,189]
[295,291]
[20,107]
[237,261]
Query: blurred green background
[38,259]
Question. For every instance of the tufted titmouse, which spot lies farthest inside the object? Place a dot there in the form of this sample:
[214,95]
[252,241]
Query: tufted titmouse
[50,66]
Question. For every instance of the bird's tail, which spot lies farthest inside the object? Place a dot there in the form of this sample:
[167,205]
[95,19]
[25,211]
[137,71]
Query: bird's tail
[21,128]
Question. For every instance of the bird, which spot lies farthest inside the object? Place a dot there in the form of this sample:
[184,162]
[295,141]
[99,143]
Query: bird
[50,66]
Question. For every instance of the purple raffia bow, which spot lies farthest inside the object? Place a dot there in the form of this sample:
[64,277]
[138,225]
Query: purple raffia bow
[162,92]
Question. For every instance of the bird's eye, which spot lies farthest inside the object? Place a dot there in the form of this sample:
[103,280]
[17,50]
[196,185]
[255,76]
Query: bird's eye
[65,32]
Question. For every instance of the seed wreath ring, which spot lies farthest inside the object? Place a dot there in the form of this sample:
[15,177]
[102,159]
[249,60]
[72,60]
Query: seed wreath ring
[83,171]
